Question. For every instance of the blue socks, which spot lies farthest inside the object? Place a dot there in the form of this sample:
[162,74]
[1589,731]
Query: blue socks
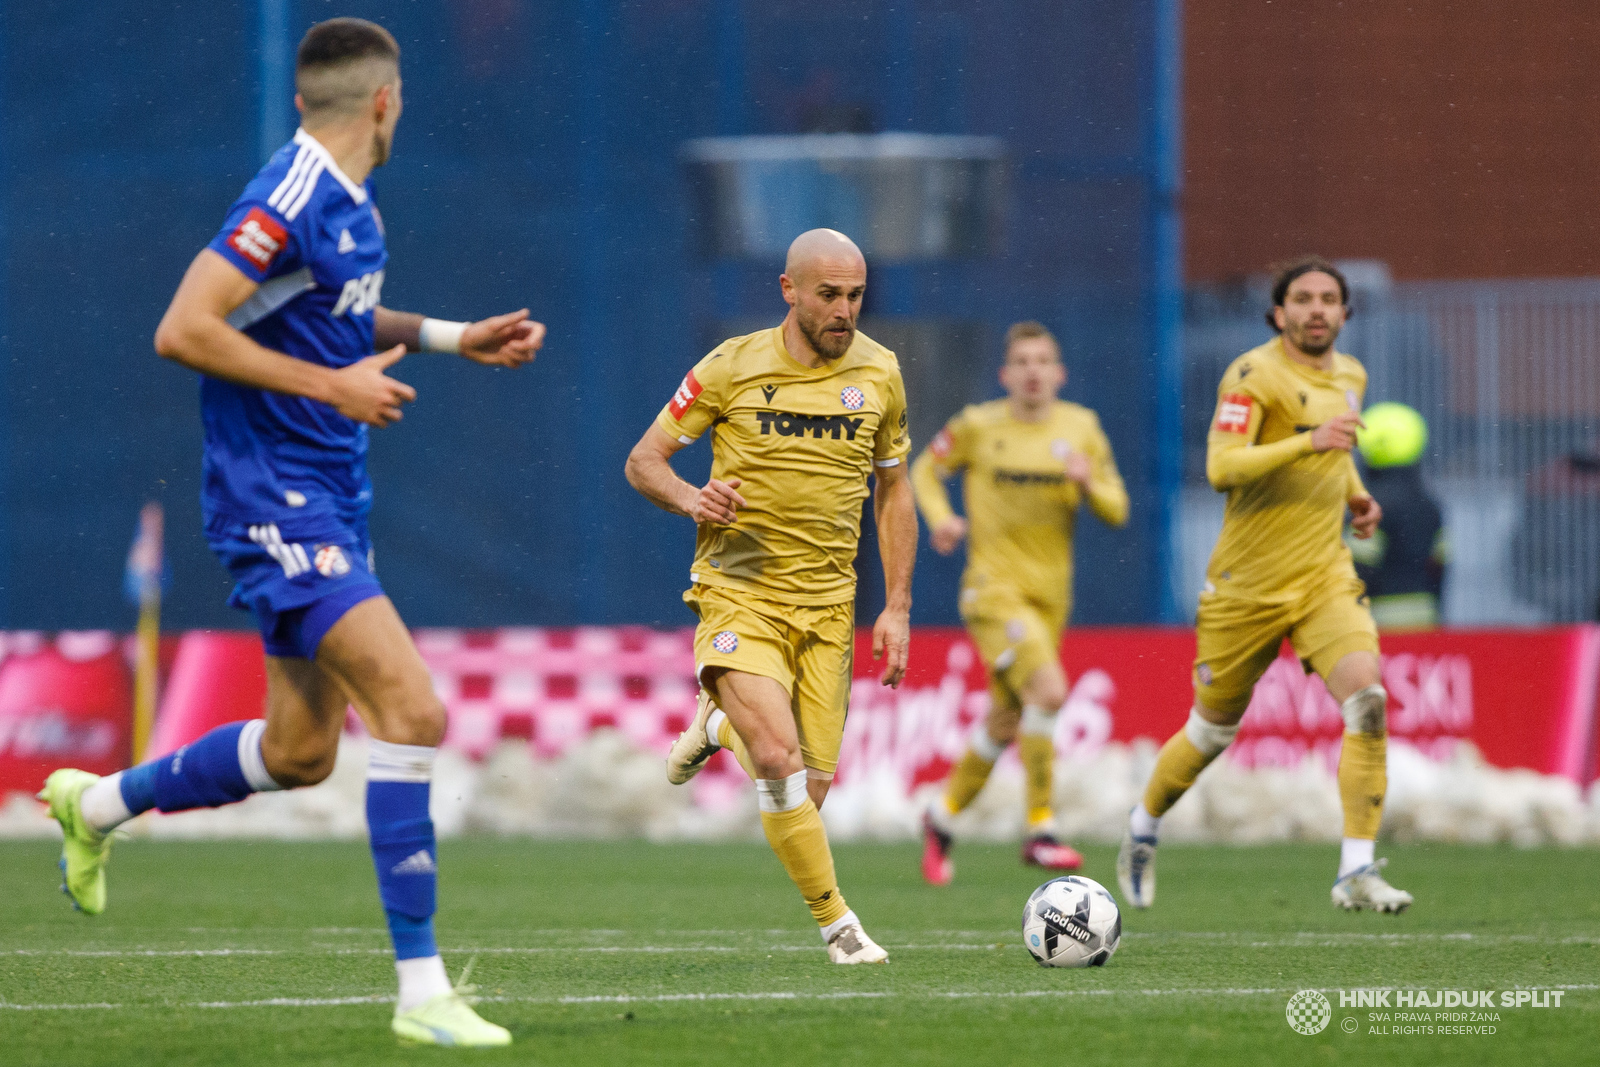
[225,766]
[399,778]
[219,768]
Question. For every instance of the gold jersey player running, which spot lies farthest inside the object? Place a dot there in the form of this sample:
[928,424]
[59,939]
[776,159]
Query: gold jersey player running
[800,416]
[1279,445]
[1030,460]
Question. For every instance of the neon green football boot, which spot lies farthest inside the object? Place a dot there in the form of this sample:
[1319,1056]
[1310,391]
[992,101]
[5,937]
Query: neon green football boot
[448,1019]
[83,848]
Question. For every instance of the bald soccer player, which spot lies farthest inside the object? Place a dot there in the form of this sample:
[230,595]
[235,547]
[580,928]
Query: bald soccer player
[1030,461]
[801,416]
[1279,446]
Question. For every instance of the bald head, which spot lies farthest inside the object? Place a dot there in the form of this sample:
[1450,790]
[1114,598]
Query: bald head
[815,248]
[823,280]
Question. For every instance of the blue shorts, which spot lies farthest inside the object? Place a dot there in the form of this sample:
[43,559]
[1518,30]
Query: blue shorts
[297,588]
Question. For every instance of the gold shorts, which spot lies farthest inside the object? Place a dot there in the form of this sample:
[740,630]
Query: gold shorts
[808,650]
[1015,637]
[1237,638]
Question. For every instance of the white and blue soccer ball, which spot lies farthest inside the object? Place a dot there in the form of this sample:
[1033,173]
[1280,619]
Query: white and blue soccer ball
[1071,922]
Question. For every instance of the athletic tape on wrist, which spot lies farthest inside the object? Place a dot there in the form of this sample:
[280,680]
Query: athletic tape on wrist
[441,335]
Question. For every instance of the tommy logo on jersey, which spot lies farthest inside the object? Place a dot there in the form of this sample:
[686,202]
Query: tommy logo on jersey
[1233,414]
[688,392]
[259,238]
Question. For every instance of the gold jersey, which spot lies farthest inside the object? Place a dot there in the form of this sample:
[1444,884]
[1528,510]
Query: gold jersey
[801,441]
[1021,506]
[1281,534]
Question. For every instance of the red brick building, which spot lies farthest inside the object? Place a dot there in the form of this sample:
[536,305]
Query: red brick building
[1449,139]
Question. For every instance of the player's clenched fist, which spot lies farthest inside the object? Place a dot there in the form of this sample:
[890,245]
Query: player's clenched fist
[717,502]
[363,392]
[1338,432]
[948,535]
[1365,514]
[503,340]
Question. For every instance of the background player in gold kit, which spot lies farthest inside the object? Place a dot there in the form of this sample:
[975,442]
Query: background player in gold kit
[1286,419]
[800,415]
[1030,461]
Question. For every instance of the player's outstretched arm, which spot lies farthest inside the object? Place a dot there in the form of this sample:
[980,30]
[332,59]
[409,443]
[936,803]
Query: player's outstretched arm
[896,514]
[946,529]
[195,333]
[649,470]
[508,340]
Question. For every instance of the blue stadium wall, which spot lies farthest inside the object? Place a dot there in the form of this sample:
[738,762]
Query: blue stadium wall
[537,164]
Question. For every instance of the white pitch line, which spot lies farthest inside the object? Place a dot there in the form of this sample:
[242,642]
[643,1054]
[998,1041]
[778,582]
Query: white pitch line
[530,950]
[1296,940]
[785,995]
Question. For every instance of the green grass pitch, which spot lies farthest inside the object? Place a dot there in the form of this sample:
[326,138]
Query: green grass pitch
[627,953]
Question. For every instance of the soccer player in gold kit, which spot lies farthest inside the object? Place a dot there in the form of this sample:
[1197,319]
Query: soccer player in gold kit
[1286,419]
[1030,461]
[800,416]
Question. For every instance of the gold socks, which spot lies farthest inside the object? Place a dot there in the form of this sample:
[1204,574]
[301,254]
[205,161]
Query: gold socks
[1363,779]
[801,843]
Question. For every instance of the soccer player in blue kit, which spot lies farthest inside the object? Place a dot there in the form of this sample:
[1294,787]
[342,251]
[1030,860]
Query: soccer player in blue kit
[281,315]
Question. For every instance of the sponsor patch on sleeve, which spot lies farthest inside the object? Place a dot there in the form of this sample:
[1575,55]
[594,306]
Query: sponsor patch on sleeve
[688,392]
[1233,414]
[259,238]
[941,444]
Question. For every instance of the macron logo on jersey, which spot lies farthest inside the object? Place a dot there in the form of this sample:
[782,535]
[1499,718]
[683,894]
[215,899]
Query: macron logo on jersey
[684,398]
[259,238]
[1233,414]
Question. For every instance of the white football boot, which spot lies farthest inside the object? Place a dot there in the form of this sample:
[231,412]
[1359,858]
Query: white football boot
[1136,869]
[850,944]
[694,747]
[1364,889]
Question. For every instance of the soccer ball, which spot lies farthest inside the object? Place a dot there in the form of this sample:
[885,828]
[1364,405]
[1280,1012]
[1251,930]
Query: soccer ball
[1071,922]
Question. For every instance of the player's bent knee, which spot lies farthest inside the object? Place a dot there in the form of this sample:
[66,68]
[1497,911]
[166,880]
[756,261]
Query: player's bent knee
[1366,711]
[1208,737]
[418,722]
[774,759]
[305,766]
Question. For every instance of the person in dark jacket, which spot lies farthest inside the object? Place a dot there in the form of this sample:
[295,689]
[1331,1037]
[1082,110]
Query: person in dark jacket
[1403,563]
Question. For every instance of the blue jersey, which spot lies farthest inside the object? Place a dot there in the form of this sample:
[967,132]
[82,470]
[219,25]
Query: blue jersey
[313,241]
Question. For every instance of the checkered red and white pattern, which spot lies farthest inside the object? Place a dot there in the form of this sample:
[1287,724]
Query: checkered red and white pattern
[554,686]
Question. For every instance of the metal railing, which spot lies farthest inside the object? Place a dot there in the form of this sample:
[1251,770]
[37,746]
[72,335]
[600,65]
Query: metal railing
[1507,374]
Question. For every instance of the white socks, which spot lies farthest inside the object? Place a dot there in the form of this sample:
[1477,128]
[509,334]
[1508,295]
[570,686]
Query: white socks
[1354,853]
[421,980]
[714,723]
[103,807]
[1141,823]
[838,924]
